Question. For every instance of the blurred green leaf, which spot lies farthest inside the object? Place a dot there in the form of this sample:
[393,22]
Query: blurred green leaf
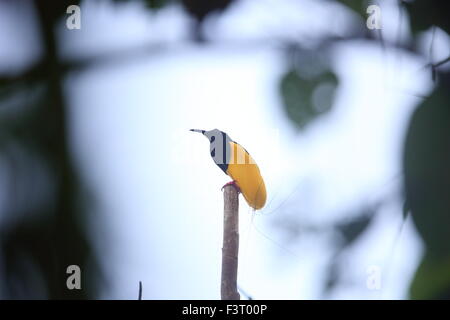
[426,13]
[156,4]
[432,279]
[358,6]
[426,164]
[304,99]
[427,172]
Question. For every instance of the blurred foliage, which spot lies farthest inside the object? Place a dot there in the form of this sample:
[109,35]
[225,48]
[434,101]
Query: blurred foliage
[344,234]
[357,6]
[432,279]
[351,230]
[426,14]
[427,187]
[152,5]
[426,155]
[199,10]
[308,87]
[156,4]
[44,226]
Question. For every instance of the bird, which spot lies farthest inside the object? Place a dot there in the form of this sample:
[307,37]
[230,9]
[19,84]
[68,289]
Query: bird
[235,161]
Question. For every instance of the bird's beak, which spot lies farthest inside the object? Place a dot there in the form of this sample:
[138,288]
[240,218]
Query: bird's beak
[199,131]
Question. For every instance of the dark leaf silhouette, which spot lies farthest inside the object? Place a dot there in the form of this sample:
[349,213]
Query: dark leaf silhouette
[427,183]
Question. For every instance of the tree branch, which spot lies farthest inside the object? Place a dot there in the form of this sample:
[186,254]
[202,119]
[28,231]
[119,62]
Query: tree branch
[230,247]
[140,291]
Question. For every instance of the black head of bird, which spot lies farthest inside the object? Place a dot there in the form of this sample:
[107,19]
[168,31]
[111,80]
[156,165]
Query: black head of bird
[236,162]
[219,146]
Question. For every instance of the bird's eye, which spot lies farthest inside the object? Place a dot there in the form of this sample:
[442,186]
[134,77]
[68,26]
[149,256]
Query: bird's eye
[213,138]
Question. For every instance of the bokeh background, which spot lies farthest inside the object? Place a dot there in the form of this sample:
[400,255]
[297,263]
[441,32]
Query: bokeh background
[350,128]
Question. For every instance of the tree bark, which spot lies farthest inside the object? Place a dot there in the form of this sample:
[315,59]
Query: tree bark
[230,247]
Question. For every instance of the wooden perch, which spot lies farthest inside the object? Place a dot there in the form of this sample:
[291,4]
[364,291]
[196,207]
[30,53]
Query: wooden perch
[230,247]
[140,291]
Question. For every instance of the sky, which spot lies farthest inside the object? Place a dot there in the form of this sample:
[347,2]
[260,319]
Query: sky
[159,213]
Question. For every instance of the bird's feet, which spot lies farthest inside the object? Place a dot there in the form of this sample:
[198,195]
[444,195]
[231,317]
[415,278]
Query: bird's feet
[232,183]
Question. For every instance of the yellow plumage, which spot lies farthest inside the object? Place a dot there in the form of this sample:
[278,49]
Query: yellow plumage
[243,169]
